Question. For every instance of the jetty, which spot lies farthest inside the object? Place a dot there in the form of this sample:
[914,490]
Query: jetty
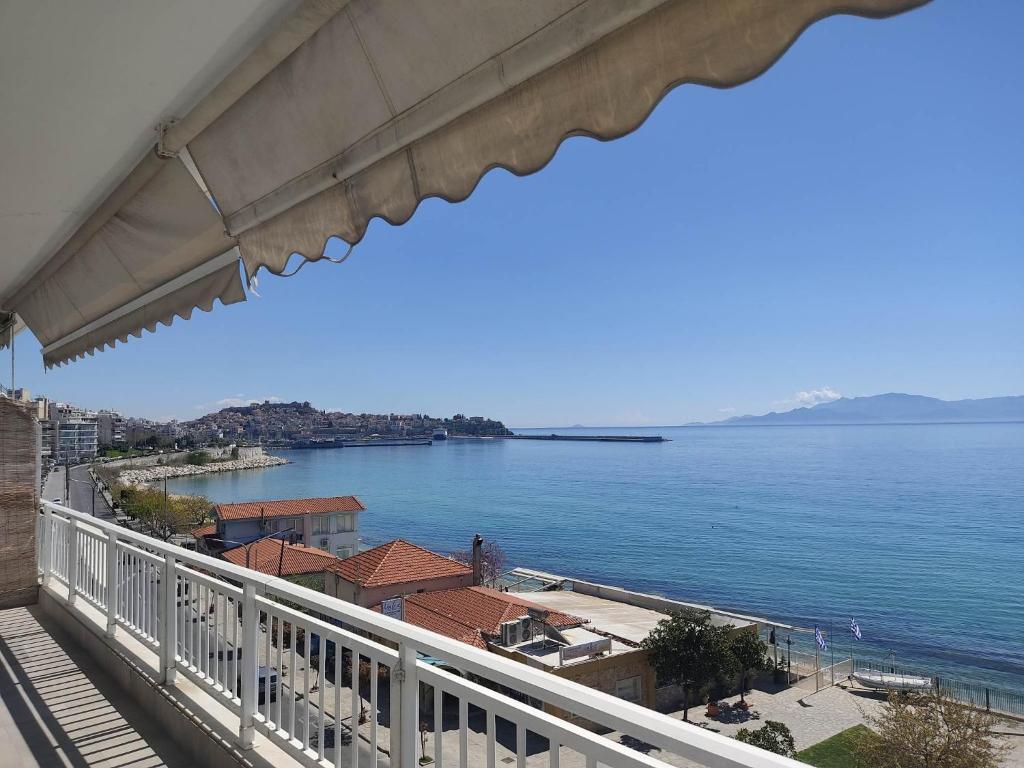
[166,471]
[594,438]
[364,443]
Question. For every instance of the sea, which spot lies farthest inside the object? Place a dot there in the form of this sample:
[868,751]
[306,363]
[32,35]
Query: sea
[916,531]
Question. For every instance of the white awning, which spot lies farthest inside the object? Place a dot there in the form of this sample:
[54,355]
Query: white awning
[394,101]
[363,108]
[149,262]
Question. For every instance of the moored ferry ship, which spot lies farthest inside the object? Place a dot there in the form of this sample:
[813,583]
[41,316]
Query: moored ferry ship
[439,434]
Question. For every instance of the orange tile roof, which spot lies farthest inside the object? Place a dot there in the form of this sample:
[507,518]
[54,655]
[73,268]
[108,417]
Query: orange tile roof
[287,507]
[204,530]
[472,614]
[266,557]
[435,622]
[398,562]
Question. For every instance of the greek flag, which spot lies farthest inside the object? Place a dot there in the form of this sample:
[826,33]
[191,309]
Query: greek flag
[855,628]
[820,638]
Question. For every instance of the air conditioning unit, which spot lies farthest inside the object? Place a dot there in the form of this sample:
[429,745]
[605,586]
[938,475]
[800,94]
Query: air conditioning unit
[324,543]
[520,630]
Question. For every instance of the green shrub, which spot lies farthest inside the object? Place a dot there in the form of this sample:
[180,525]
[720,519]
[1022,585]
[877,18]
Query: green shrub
[773,736]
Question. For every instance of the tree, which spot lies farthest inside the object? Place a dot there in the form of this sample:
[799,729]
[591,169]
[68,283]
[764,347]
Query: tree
[165,516]
[751,655]
[772,736]
[687,649]
[930,730]
[493,561]
[197,458]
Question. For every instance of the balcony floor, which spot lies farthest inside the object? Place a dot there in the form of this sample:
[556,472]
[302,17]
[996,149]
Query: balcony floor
[60,709]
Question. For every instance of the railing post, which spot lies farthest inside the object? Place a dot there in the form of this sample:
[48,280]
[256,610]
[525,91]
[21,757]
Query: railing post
[250,665]
[72,560]
[406,710]
[46,546]
[112,586]
[167,602]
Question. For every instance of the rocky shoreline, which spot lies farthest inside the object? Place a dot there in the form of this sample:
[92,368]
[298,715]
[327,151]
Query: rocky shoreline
[151,474]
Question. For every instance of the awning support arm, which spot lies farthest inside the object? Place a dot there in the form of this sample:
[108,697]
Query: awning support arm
[207,268]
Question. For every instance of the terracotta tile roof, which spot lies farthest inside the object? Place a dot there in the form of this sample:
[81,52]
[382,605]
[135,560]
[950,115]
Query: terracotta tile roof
[398,562]
[265,556]
[204,530]
[435,622]
[287,507]
[472,614]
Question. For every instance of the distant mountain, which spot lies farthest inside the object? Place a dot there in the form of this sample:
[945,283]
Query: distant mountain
[893,408]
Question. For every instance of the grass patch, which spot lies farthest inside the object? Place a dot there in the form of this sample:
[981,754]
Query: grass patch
[836,752]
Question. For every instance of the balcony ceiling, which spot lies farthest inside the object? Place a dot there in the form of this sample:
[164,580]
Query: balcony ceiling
[83,85]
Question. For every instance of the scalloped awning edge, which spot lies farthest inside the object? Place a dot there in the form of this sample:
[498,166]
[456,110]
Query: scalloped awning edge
[605,91]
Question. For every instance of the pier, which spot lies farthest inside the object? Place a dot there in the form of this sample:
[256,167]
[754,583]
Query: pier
[365,443]
[594,438]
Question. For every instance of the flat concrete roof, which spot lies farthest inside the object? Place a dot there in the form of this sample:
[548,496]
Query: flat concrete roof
[620,619]
[546,651]
[630,622]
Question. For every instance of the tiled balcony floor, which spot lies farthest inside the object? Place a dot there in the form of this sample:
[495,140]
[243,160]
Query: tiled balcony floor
[60,709]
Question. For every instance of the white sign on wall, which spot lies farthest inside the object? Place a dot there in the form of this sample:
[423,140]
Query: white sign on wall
[395,608]
[580,650]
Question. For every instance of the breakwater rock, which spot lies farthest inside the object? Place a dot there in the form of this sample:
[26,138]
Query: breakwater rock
[151,474]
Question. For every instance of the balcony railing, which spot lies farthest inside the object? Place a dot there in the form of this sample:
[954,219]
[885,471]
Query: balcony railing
[243,637]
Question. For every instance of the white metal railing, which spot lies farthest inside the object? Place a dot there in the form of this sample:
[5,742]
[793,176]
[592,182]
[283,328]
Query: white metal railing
[348,685]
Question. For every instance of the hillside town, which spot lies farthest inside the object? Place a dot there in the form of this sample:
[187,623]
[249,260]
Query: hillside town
[74,434]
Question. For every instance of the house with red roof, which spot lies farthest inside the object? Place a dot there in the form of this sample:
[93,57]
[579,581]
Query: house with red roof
[396,568]
[327,523]
[526,631]
[275,557]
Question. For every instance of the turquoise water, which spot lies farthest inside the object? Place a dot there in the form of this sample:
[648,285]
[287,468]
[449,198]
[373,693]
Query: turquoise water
[916,530]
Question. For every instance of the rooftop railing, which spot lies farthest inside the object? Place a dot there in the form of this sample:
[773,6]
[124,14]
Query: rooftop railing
[347,685]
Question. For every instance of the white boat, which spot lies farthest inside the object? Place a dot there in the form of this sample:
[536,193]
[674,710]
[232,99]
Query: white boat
[890,681]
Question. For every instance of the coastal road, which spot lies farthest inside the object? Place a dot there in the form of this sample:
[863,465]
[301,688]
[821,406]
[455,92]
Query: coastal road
[83,495]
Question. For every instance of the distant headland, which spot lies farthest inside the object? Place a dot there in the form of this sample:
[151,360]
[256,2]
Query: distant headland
[890,408]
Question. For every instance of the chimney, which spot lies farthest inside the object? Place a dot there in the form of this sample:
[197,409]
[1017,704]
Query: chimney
[478,543]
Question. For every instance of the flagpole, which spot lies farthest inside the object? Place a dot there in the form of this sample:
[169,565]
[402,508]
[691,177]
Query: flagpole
[817,659]
[832,645]
[853,664]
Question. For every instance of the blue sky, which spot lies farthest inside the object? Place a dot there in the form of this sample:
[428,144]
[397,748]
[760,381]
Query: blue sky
[850,223]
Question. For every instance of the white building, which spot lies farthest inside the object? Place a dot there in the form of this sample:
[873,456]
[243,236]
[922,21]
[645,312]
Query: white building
[75,433]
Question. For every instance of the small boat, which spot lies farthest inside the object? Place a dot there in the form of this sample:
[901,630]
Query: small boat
[890,681]
[439,434]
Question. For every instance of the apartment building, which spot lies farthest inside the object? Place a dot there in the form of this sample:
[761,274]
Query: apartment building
[75,433]
[110,428]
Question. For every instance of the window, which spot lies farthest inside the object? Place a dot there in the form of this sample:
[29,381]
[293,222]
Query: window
[628,688]
[321,524]
[342,523]
[282,524]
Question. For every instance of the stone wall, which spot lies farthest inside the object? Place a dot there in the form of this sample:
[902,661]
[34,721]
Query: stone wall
[19,502]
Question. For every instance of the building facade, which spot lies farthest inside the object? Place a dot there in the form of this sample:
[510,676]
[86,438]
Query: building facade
[329,523]
[110,428]
[75,433]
